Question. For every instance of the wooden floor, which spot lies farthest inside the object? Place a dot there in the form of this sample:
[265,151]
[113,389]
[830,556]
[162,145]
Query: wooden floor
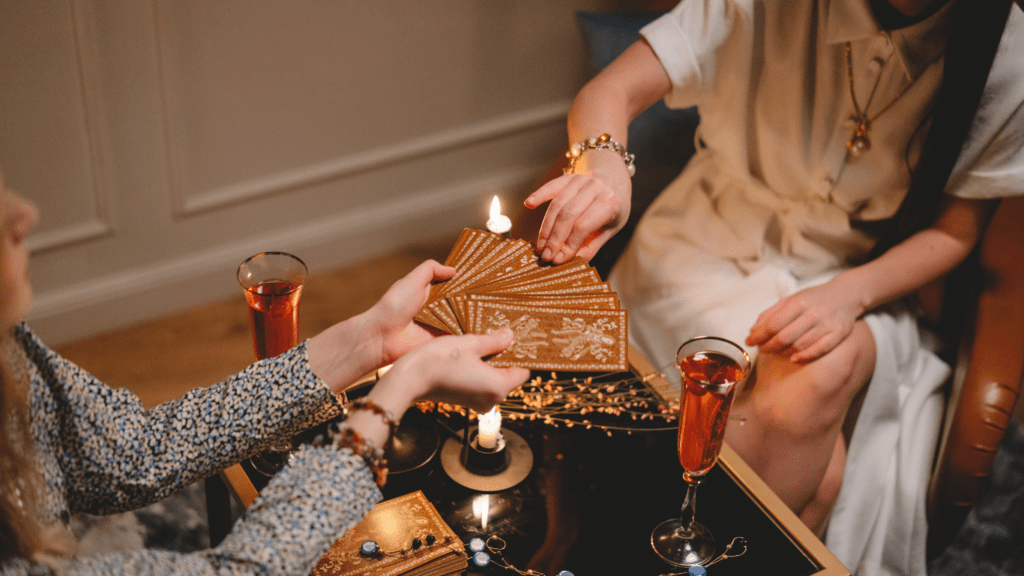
[162,359]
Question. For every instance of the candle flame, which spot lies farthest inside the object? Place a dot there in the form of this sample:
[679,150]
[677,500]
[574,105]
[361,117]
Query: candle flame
[491,421]
[482,509]
[495,209]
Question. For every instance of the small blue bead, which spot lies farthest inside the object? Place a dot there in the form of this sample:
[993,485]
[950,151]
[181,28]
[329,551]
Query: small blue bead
[565,573]
[476,545]
[368,548]
[481,559]
[697,571]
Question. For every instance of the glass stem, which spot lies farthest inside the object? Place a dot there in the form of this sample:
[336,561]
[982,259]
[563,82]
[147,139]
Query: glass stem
[690,501]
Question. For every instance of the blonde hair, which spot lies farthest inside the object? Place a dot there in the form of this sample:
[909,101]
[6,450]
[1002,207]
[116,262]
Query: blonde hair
[21,534]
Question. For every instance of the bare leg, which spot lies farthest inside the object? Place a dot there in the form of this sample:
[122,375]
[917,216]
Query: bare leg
[815,515]
[789,416]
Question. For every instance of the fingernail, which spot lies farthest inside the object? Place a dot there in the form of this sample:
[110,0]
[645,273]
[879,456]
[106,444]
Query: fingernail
[540,243]
[546,255]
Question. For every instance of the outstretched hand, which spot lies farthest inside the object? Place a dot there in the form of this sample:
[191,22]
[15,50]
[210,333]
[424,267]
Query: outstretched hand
[450,369]
[586,208]
[807,325]
[393,314]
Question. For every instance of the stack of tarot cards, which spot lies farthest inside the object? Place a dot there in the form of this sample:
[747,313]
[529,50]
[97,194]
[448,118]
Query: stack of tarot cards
[388,531]
[564,317]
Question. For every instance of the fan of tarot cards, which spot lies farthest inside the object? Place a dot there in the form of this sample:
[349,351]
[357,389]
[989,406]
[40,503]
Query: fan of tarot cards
[564,317]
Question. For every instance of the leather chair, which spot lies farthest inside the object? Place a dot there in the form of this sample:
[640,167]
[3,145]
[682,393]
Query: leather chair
[987,379]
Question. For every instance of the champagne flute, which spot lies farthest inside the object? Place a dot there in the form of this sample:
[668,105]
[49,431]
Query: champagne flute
[273,287]
[711,368]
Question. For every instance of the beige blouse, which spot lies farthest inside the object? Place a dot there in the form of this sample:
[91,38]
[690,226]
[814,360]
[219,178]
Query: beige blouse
[772,83]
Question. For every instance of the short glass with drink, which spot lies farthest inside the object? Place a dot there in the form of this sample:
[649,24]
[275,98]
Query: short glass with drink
[711,368]
[273,287]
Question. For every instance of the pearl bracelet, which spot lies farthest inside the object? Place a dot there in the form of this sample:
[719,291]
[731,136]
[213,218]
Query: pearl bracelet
[602,142]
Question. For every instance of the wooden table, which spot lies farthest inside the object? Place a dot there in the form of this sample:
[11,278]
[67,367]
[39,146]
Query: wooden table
[591,500]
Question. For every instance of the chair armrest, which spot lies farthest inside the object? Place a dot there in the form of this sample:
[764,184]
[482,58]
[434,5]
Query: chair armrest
[987,380]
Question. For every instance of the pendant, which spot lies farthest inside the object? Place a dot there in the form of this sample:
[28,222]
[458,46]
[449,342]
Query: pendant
[859,143]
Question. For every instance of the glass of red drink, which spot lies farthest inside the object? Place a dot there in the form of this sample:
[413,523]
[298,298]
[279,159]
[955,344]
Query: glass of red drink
[711,368]
[273,287]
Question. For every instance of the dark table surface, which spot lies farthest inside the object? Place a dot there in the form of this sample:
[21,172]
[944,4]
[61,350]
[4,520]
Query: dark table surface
[591,500]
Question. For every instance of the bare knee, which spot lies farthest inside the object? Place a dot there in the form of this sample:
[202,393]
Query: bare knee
[805,401]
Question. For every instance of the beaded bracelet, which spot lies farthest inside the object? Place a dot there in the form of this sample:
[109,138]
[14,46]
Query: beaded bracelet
[342,436]
[385,415]
[602,142]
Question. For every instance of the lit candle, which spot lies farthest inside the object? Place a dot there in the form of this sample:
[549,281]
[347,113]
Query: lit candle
[489,429]
[482,510]
[498,222]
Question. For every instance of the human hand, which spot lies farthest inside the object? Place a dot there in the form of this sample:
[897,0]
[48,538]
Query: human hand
[377,337]
[587,208]
[392,316]
[809,324]
[450,369]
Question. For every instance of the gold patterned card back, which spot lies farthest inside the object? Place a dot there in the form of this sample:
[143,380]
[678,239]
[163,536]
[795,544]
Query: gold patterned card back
[393,524]
[495,270]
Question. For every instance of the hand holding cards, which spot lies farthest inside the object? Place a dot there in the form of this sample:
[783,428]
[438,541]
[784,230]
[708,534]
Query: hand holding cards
[564,317]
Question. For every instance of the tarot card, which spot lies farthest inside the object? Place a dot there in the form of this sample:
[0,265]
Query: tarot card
[542,273]
[555,338]
[605,301]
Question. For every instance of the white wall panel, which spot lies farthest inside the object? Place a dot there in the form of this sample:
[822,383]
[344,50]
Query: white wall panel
[168,140]
[50,124]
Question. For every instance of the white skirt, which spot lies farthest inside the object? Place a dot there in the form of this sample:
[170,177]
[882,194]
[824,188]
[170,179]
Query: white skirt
[675,291]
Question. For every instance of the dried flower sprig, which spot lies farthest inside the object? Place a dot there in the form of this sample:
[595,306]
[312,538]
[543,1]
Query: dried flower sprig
[609,402]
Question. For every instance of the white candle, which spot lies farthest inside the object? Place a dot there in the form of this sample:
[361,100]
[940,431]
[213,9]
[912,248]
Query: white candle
[489,429]
[498,222]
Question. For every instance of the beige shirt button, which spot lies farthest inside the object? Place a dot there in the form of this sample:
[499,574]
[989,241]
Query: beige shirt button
[883,40]
[825,186]
[875,64]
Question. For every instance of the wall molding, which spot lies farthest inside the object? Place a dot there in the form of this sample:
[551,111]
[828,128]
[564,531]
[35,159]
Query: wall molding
[97,182]
[186,204]
[99,225]
[144,293]
[376,158]
[67,235]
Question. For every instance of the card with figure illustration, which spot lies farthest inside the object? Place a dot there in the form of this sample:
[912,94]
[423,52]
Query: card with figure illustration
[554,338]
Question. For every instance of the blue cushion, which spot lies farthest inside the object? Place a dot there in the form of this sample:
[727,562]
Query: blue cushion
[608,34]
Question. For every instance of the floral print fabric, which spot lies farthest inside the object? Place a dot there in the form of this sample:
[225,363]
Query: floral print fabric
[101,452]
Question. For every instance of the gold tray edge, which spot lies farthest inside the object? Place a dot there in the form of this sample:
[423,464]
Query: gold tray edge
[779,513]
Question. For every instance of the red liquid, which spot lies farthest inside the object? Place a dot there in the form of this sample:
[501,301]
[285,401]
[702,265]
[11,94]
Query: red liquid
[704,408]
[274,313]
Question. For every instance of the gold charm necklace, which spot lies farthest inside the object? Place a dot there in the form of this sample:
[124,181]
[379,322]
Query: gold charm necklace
[859,143]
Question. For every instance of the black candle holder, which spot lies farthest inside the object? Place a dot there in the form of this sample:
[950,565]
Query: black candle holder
[487,470]
[486,461]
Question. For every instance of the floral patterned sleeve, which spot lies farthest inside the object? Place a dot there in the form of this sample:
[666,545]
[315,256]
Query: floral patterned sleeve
[303,509]
[115,455]
[100,451]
